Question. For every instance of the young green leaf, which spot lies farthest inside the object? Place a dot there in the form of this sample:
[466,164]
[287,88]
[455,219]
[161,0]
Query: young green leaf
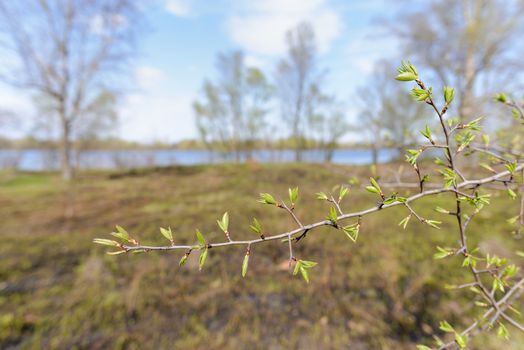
[469,261]
[511,193]
[375,184]
[442,253]
[509,271]
[412,156]
[513,219]
[407,72]
[224,223]
[353,181]
[516,113]
[308,264]
[322,196]
[511,167]
[463,140]
[167,233]
[121,230]
[498,285]
[502,332]
[406,76]
[449,94]
[390,200]
[202,259]
[485,139]
[462,340]
[375,187]
[343,192]
[266,198]
[107,242]
[332,216]
[352,231]
[183,260]
[487,167]
[442,210]
[303,266]
[304,273]
[372,189]
[293,195]
[256,227]
[427,133]
[473,125]
[245,264]
[118,252]
[446,327]
[433,223]
[404,222]
[439,161]
[200,238]
[297,267]
[420,94]
[121,234]
[501,98]
[450,177]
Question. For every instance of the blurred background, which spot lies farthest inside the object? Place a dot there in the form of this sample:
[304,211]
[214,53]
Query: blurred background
[168,113]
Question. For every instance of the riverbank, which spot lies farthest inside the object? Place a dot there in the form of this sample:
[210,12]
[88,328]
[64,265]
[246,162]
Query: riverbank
[48,160]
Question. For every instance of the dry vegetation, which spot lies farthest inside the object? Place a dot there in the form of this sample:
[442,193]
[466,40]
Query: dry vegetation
[58,290]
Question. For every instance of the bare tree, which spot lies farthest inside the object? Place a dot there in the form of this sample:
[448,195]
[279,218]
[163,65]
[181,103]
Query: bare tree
[232,87]
[326,120]
[295,76]
[256,101]
[474,45]
[99,122]
[390,113]
[232,113]
[211,119]
[67,51]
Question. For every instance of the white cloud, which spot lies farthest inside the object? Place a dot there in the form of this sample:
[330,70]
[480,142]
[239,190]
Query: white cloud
[366,47]
[259,26]
[148,77]
[16,112]
[257,61]
[180,8]
[157,117]
[158,110]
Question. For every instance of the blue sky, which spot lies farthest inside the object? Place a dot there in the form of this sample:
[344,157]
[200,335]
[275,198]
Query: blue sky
[179,49]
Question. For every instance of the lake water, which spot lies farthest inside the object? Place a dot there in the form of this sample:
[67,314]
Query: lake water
[40,160]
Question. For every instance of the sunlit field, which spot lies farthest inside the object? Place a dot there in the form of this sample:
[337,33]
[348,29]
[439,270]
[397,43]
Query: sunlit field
[60,291]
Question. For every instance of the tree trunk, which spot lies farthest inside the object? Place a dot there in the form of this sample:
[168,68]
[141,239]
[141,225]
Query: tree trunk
[329,155]
[374,154]
[466,105]
[298,149]
[65,151]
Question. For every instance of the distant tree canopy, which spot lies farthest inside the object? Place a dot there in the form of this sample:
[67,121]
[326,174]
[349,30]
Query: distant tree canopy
[233,112]
[68,53]
[474,45]
[388,112]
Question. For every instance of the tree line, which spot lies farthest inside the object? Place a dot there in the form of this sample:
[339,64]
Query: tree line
[72,57]
[233,113]
[470,44]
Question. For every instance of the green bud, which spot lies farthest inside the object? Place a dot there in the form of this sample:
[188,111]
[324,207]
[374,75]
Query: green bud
[449,94]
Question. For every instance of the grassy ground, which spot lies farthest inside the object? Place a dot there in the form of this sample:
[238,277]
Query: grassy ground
[59,291]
